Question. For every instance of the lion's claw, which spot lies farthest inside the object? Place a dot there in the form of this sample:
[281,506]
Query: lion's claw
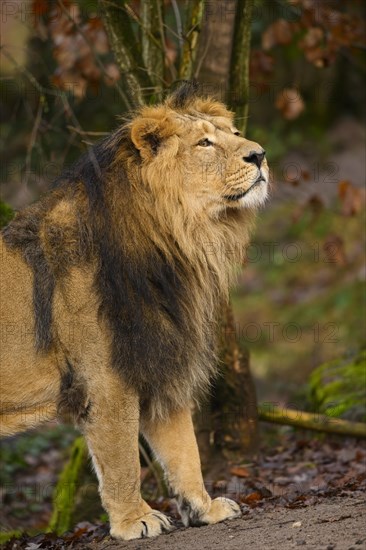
[151,524]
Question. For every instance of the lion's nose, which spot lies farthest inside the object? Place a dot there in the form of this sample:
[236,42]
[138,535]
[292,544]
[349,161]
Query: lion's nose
[255,157]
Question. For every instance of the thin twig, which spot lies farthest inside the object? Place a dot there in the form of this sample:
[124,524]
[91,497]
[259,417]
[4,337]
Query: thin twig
[32,140]
[58,93]
[85,133]
[152,468]
[203,56]
[39,87]
[91,154]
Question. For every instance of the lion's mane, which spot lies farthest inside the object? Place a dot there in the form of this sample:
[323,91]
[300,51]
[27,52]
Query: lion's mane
[160,273]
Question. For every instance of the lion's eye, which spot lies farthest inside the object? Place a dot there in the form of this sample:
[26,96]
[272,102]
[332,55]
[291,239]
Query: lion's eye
[237,133]
[205,143]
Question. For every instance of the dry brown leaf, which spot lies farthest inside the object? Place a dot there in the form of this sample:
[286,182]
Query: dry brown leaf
[290,103]
[112,74]
[252,498]
[278,33]
[240,471]
[71,82]
[261,61]
[305,174]
[312,38]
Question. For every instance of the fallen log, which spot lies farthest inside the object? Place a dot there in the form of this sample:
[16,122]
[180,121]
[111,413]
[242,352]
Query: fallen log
[311,421]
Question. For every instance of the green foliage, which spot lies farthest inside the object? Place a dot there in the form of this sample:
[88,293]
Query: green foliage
[6,213]
[7,535]
[64,496]
[338,387]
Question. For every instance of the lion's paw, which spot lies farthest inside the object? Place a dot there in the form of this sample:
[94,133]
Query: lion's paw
[220,509]
[151,524]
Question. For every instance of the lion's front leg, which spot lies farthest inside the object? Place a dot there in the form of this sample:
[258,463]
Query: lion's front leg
[175,445]
[111,430]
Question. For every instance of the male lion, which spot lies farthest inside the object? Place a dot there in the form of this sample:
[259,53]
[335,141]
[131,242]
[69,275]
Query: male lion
[110,287]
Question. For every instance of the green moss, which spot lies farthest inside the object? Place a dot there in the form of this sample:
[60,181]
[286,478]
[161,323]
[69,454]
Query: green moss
[64,495]
[7,535]
[338,387]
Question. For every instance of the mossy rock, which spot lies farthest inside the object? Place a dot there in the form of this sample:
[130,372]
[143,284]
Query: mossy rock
[337,388]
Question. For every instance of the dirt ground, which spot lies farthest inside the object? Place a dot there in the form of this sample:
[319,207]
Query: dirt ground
[337,523]
[300,492]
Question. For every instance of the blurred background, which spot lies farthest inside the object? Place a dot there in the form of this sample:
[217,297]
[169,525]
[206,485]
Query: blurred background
[299,303]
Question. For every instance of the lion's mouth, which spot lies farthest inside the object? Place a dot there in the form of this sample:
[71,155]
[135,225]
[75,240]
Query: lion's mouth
[238,196]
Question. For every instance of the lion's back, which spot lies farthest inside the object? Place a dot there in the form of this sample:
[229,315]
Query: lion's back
[24,374]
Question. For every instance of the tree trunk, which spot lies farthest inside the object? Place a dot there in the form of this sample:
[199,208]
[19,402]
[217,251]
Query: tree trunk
[238,97]
[236,400]
[228,424]
[213,60]
[231,420]
[128,52]
[153,40]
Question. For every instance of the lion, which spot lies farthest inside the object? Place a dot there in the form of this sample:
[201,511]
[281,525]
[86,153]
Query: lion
[110,290]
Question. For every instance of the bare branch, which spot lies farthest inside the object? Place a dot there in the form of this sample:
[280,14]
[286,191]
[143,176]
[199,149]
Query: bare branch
[84,133]
[310,421]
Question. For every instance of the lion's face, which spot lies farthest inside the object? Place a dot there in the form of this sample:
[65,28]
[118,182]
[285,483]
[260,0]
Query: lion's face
[202,156]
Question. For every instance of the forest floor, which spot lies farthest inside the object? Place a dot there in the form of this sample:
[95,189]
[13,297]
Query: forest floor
[335,523]
[301,492]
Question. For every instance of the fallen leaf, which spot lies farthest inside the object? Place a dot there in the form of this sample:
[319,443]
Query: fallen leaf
[240,471]
[252,498]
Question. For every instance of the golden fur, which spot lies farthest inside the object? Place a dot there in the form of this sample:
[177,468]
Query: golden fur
[110,290]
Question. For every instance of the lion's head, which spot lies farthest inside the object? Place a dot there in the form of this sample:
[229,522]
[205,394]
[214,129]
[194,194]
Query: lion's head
[194,150]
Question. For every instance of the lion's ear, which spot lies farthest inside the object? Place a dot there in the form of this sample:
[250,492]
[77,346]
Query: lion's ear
[147,135]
